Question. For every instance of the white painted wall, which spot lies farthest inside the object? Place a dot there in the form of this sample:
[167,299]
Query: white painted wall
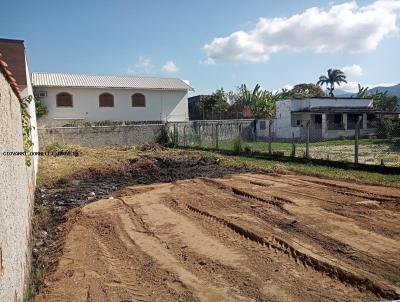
[283,122]
[340,103]
[160,105]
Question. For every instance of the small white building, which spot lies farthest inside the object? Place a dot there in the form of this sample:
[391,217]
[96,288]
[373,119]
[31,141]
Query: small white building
[116,98]
[329,118]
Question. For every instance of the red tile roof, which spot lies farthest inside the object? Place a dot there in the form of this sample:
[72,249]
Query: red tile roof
[9,76]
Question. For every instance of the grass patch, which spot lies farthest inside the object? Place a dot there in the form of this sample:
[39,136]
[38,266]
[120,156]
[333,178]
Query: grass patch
[37,280]
[53,169]
[365,177]
[41,215]
[372,151]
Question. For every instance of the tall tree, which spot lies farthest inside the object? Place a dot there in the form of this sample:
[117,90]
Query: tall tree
[307,90]
[335,76]
[218,101]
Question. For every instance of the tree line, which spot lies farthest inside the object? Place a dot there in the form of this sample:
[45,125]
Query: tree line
[261,103]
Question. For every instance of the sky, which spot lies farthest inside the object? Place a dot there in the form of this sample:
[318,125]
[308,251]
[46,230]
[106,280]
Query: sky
[211,44]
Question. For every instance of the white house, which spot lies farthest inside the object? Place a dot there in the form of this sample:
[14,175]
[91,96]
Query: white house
[116,98]
[329,118]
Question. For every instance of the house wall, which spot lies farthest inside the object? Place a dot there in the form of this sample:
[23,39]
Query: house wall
[16,200]
[160,105]
[337,102]
[283,123]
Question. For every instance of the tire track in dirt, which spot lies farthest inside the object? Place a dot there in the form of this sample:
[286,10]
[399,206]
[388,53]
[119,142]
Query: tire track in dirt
[367,257]
[368,252]
[205,290]
[239,238]
[280,245]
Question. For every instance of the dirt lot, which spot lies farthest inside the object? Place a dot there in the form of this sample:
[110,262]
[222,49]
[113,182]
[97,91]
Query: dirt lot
[242,236]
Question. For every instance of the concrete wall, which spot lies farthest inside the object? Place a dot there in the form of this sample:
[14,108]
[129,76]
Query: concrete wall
[101,135]
[168,105]
[194,132]
[16,199]
[140,134]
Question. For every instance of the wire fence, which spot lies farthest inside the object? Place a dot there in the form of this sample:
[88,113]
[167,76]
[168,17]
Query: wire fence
[377,144]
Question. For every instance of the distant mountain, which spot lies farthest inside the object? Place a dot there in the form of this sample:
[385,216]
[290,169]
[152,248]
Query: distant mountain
[339,92]
[392,90]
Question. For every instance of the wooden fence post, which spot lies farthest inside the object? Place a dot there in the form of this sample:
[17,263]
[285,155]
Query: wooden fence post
[357,131]
[308,140]
[293,146]
[270,137]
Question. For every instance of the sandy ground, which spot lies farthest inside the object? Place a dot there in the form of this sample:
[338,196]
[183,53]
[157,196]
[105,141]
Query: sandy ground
[244,237]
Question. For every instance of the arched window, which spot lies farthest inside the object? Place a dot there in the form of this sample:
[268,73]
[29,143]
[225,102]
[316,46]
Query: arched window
[106,100]
[64,99]
[138,100]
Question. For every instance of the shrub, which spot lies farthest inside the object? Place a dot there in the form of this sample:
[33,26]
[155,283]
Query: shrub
[386,129]
[164,138]
[41,109]
[237,146]
[247,150]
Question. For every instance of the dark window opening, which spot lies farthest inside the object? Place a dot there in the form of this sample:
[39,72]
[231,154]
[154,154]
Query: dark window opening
[318,118]
[64,99]
[335,121]
[372,120]
[138,100]
[106,100]
[352,120]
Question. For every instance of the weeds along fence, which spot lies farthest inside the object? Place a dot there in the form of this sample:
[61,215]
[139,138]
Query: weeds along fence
[377,144]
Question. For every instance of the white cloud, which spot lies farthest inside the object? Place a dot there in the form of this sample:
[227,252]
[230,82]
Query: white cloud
[143,64]
[348,87]
[287,86]
[353,70]
[353,86]
[170,67]
[343,27]
[207,61]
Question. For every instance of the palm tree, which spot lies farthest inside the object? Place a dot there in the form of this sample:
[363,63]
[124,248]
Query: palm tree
[250,98]
[334,76]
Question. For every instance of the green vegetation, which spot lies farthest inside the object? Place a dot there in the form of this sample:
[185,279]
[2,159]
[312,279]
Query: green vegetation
[237,146]
[372,151]
[382,101]
[164,138]
[303,90]
[36,282]
[26,128]
[55,169]
[41,109]
[319,171]
[335,76]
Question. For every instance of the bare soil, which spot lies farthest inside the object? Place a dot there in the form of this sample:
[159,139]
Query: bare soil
[225,234]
